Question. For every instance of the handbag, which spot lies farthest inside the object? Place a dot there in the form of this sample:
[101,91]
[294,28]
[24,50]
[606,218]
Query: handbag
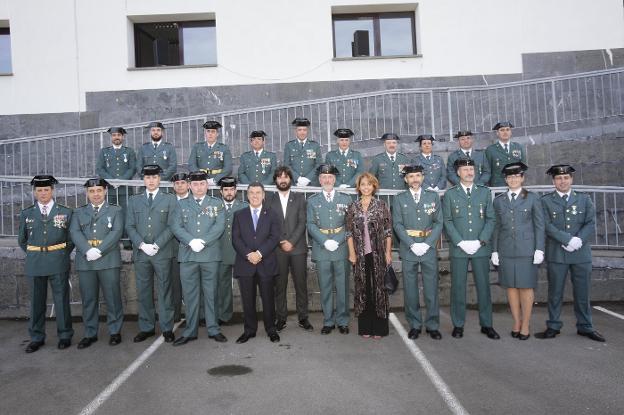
[391,282]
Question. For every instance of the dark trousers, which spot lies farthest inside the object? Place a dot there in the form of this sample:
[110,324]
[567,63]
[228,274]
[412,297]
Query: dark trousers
[176,289]
[368,321]
[247,286]
[580,275]
[39,295]
[296,265]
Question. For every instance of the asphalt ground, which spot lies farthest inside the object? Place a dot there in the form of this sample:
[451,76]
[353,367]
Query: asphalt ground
[307,373]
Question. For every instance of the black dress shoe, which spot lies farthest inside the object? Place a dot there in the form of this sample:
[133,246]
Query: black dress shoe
[63,344]
[490,332]
[33,346]
[515,334]
[274,337]
[223,323]
[143,335]
[523,336]
[413,334]
[594,335]
[115,339]
[305,324]
[280,325]
[219,338]
[183,340]
[245,337]
[547,334]
[86,342]
[169,337]
[327,329]
[343,329]
[458,332]
[434,334]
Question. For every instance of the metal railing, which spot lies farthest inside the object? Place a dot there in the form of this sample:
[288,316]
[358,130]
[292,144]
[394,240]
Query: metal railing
[16,194]
[555,103]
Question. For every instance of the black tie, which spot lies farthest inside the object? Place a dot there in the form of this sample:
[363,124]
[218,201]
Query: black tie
[468,191]
[506,148]
[257,154]
[468,154]
[198,201]
[428,158]
[392,158]
[150,199]
[96,208]
[155,146]
[565,197]
[302,144]
[228,206]
[513,197]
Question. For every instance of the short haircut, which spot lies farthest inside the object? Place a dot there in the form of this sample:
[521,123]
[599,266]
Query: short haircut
[282,170]
[255,184]
[371,179]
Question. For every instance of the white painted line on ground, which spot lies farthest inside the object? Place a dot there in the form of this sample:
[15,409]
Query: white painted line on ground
[611,313]
[442,388]
[119,380]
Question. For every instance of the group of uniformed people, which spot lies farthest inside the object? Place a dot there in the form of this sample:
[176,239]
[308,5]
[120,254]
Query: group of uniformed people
[183,241]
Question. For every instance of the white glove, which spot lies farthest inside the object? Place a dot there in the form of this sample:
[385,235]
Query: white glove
[464,246]
[575,243]
[435,188]
[469,247]
[494,258]
[303,181]
[344,186]
[93,254]
[419,248]
[538,257]
[568,248]
[196,245]
[149,249]
[430,188]
[331,245]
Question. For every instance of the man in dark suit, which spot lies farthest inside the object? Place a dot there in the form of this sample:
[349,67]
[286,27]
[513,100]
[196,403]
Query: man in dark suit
[256,233]
[293,248]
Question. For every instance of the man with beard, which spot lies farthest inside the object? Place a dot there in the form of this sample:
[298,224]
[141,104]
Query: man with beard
[212,157]
[303,155]
[158,152]
[257,165]
[502,153]
[387,166]
[349,162]
[482,167]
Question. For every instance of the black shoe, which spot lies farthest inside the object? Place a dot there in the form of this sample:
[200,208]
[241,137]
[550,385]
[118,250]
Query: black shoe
[523,336]
[434,334]
[223,323]
[63,344]
[594,335]
[280,325]
[143,335]
[34,346]
[274,337]
[183,340]
[219,338]
[327,329]
[547,334]
[245,337]
[115,339]
[343,329]
[413,334]
[515,334]
[86,342]
[490,332]
[169,337]
[305,324]
[458,332]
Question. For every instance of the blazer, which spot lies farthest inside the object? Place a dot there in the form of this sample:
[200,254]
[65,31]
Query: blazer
[165,156]
[497,157]
[205,158]
[323,216]
[265,239]
[350,166]
[435,172]
[228,255]
[482,167]
[294,224]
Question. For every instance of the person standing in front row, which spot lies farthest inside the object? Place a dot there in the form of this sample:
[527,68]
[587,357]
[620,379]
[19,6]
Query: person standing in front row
[326,226]
[387,166]
[518,245]
[157,152]
[257,165]
[348,162]
[212,157]
[255,235]
[303,155]
[570,225]
[469,221]
[502,153]
[181,190]
[96,229]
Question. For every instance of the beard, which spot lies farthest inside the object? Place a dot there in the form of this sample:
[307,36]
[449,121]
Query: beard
[283,186]
[156,138]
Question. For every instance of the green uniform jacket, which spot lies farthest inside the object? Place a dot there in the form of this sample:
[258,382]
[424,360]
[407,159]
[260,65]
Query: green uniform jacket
[389,173]
[350,166]
[435,171]
[322,214]
[519,227]
[116,164]
[218,157]
[303,161]
[145,224]
[468,219]
[482,167]
[107,226]
[34,230]
[165,156]
[257,169]
[206,222]
[424,216]
[576,217]
[497,158]
[228,255]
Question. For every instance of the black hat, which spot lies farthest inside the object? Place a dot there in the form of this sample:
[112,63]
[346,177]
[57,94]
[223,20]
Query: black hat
[97,181]
[502,124]
[197,176]
[328,169]
[227,181]
[151,170]
[343,133]
[155,124]
[258,133]
[43,180]
[462,133]
[389,136]
[301,122]
[514,168]
[422,137]
[412,168]
[116,130]
[463,161]
[212,125]
[558,169]
[179,176]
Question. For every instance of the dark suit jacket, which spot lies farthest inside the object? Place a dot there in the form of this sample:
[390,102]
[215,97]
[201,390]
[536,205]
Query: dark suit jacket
[264,239]
[294,225]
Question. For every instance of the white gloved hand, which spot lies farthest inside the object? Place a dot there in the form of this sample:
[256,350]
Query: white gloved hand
[149,249]
[196,245]
[303,181]
[344,186]
[331,245]
[430,188]
[474,246]
[538,257]
[93,254]
[464,246]
[419,248]
[568,248]
[436,188]
[494,258]
[575,243]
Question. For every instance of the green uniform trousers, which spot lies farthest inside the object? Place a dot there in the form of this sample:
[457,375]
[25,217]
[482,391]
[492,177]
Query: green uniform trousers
[580,274]
[330,273]
[223,299]
[39,296]
[197,278]
[90,284]
[145,271]
[459,276]
[411,293]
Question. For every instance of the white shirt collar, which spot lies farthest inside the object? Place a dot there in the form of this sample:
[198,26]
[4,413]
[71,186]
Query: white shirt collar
[254,208]
[302,141]
[117,147]
[561,194]
[48,206]
[331,194]
[285,195]
[471,187]
[156,142]
[517,192]
[391,155]
[259,152]
[201,199]
[155,192]
[345,152]
[97,206]
[466,151]
[426,155]
[419,192]
[503,144]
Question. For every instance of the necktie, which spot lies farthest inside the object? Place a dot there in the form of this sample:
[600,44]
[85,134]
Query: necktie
[513,197]
[428,158]
[468,191]
[468,154]
[565,197]
[506,148]
[328,197]
[228,206]
[257,154]
[44,211]
[150,199]
[416,198]
[198,201]
[96,208]
[255,218]
[392,158]
[155,146]
[302,144]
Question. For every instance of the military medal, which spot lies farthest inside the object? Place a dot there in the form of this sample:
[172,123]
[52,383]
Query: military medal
[481,210]
[60,221]
[574,212]
[125,158]
[110,222]
[516,153]
[164,155]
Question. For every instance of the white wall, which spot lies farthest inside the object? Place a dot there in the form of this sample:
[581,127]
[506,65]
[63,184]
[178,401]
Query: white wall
[279,41]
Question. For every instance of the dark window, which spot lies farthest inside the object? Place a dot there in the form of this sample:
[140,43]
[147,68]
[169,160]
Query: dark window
[175,43]
[5,50]
[374,34]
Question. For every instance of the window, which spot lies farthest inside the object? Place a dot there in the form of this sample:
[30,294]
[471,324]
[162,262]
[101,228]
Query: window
[374,34]
[175,43]
[5,51]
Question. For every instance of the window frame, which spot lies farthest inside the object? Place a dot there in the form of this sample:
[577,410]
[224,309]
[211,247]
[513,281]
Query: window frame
[6,30]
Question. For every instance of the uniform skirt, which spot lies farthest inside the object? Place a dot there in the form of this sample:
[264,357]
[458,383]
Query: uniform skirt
[518,272]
